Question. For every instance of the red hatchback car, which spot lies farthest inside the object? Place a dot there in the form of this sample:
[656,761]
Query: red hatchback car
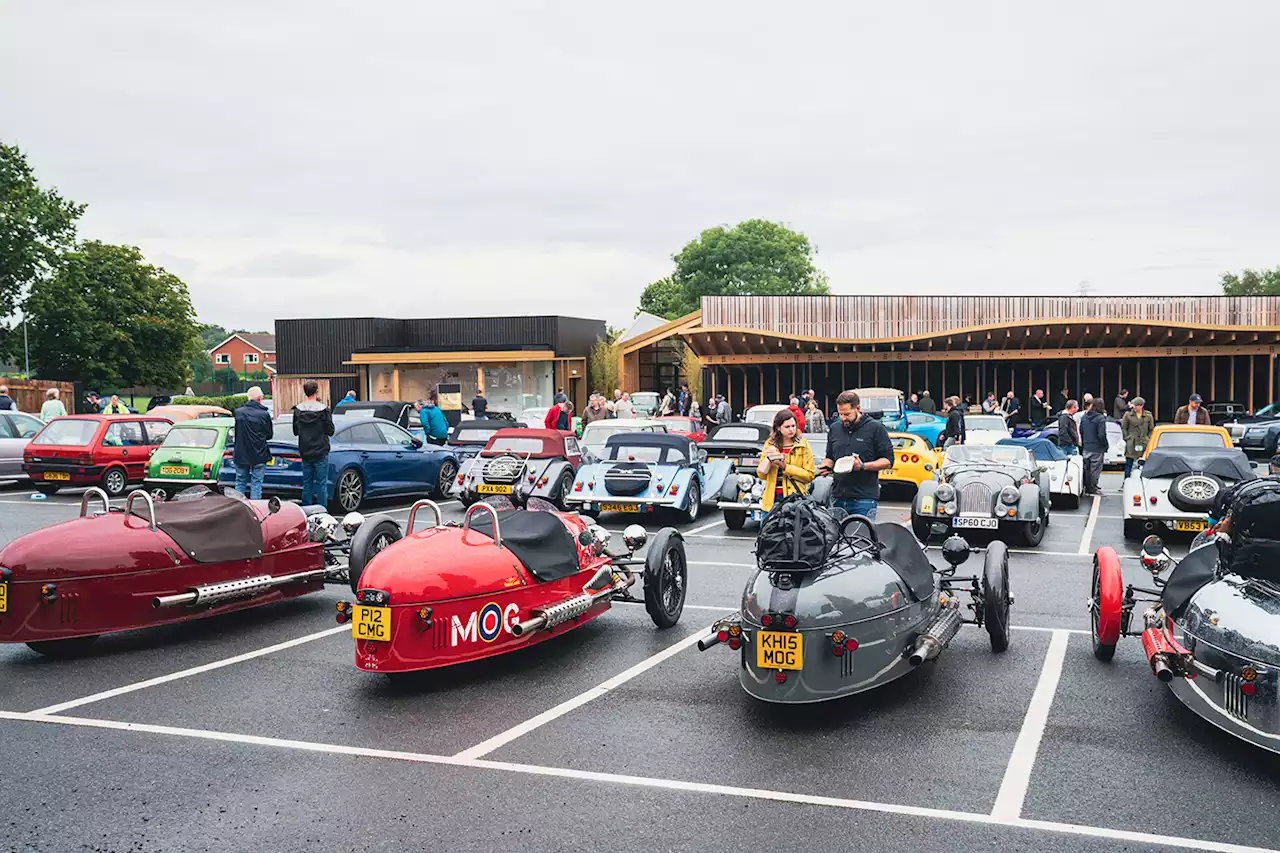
[109,451]
[681,425]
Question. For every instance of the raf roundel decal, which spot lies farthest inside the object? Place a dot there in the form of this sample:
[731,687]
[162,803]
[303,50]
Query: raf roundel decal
[490,622]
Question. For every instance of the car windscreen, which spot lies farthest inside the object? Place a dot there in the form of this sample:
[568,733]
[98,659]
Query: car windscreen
[625,453]
[472,436]
[985,422]
[511,444]
[595,435]
[72,433]
[534,414]
[736,434]
[1190,439]
[644,400]
[201,438]
[348,412]
[969,454]
[283,433]
[881,405]
[760,415]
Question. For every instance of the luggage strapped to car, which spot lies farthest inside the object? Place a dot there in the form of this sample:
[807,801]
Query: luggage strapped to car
[1253,550]
[798,534]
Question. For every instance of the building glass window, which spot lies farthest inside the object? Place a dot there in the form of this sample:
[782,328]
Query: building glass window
[251,358]
[222,358]
[510,386]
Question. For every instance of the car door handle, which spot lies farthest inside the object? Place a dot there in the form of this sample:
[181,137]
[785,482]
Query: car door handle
[364,455]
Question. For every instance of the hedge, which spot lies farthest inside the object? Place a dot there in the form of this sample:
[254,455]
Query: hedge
[231,403]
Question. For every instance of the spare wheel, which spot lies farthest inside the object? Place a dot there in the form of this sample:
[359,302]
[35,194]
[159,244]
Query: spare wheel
[1194,492]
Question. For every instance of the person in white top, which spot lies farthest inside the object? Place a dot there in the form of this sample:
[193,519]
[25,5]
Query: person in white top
[623,408]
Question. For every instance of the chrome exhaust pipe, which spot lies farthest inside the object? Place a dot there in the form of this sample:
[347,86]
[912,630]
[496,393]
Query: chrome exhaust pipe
[571,608]
[245,587]
[931,643]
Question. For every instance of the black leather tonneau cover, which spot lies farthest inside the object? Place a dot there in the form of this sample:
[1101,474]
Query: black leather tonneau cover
[1221,462]
[1186,579]
[211,528]
[904,555]
[539,540]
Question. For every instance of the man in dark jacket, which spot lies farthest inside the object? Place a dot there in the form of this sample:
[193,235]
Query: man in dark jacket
[1193,413]
[1093,435]
[558,415]
[253,431]
[927,405]
[1120,404]
[479,406]
[1068,429]
[6,402]
[313,424]
[953,433]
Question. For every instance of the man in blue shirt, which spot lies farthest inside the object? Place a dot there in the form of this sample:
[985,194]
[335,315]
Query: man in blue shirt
[434,425]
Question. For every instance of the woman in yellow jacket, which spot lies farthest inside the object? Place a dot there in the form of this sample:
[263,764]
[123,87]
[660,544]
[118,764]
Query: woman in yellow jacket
[786,463]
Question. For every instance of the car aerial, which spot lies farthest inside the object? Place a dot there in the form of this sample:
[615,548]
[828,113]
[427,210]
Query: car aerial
[927,426]
[1221,656]
[110,451]
[469,438]
[1174,484]
[596,433]
[885,405]
[16,431]
[1065,473]
[188,412]
[985,429]
[149,564]
[190,455]
[867,612]
[996,489]
[914,460]
[502,581]
[521,463]
[681,425]
[368,458]
[642,472]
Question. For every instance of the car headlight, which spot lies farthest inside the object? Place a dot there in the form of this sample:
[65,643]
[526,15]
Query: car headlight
[1009,495]
[945,493]
[746,482]
[757,490]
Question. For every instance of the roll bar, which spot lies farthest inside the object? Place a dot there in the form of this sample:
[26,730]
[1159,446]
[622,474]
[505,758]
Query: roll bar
[413,511]
[466,521]
[151,506]
[94,491]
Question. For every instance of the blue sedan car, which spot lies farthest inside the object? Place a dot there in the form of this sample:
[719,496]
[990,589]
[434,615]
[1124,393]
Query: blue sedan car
[642,472]
[368,458]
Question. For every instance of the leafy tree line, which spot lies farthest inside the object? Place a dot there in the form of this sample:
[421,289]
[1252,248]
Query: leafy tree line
[95,311]
[1252,283]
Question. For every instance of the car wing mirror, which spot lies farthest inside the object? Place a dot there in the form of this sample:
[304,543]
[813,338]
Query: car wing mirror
[1155,557]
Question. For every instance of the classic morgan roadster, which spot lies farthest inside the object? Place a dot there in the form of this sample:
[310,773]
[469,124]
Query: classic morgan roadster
[502,580]
[641,472]
[986,488]
[859,608]
[520,463]
[150,564]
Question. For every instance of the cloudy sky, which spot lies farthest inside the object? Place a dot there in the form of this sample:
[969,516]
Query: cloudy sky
[425,158]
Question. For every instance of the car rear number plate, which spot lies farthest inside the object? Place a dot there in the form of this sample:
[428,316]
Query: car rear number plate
[619,507]
[174,470]
[981,523]
[56,475]
[779,650]
[753,461]
[371,623]
[4,597]
[1191,526]
[486,489]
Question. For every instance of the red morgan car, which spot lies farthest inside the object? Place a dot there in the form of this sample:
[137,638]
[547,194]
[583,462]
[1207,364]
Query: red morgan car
[502,580]
[202,554]
[108,451]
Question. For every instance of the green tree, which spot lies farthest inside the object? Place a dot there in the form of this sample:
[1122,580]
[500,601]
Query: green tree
[664,298]
[113,320]
[603,365]
[36,227]
[753,258]
[1252,283]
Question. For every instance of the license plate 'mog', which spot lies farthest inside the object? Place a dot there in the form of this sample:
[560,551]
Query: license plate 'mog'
[779,650]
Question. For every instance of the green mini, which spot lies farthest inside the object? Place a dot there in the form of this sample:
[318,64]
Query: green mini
[191,455]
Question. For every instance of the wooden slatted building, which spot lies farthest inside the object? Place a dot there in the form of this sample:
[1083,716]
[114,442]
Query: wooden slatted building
[758,349]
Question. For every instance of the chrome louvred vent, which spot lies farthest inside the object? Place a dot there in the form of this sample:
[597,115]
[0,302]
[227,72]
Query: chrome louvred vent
[503,469]
[1234,701]
[975,497]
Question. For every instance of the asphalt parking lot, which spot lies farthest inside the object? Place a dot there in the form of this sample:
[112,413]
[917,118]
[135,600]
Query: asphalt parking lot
[255,731]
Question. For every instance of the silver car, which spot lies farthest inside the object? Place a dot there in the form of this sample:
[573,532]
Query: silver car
[16,431]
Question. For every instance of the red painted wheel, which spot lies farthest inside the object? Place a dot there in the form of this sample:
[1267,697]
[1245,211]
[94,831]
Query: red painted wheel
[1105,604]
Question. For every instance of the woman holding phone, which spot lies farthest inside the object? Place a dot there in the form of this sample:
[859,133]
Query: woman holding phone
[786,462]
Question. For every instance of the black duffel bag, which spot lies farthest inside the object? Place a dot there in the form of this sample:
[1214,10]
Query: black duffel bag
[1253,550]
[797,535]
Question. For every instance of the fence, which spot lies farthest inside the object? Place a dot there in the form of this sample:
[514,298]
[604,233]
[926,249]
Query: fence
[28,394]
[287,393]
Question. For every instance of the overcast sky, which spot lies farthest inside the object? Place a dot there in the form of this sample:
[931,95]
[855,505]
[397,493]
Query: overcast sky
[426,158]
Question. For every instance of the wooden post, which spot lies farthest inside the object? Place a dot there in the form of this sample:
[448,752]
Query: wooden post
[1231,388]
[1213,377]
[761,368]
[1252,359]
[395,383]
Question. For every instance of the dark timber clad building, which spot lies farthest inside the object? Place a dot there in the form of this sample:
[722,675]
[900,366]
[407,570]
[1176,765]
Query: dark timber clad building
[758,349]
[519,362]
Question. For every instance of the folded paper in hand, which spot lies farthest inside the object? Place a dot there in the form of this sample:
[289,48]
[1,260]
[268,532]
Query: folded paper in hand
[844,464]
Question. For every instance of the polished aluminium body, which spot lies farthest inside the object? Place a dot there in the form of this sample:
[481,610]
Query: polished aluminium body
[994,489]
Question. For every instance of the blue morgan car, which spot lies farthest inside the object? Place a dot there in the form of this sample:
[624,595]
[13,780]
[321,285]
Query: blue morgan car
[368,458]
[642,472]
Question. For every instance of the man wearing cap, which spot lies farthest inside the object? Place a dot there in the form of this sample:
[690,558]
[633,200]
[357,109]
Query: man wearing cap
[1193,413]
[1136,426]
[558,415]
[724,414]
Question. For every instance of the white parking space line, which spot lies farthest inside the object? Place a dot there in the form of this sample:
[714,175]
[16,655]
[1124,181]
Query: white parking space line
[1164,842]
[187,673]
[697,530]
[487,746]
[1087,537]
[1017,775]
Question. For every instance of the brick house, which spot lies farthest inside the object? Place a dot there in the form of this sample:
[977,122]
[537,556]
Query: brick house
[246,353]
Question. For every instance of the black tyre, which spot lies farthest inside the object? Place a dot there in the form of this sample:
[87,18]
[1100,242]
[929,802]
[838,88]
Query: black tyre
[348,492]
[46,489]
[114,482]
[1033,531]
[666,577]
[376,534]
[64,649]
[735,519]
[444,480]
[922,527]
[467,499]
[691,514]
[560,497]
[995,595]
[1133,530]
[1101,651]
[1194,492]
[1069,501]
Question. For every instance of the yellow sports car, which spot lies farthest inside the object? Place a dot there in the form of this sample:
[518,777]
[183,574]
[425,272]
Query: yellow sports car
[914,460]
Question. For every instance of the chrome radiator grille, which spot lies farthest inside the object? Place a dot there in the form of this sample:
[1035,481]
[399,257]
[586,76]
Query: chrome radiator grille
[504,469]
[1234,702]
[975,497]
